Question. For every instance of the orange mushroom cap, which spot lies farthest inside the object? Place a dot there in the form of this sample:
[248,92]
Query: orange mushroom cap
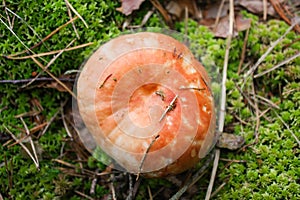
[146,101]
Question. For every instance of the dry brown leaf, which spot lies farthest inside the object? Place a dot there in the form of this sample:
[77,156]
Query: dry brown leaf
[58,86]
[177,8]
[222,28]
[129,5]
[212,11]
[256,7]
[242,24]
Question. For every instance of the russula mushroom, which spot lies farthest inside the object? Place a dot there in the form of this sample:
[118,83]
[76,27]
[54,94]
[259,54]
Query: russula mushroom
[147,103]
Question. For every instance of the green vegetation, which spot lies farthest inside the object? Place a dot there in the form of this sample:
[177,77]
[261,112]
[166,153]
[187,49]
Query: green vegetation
[272,165]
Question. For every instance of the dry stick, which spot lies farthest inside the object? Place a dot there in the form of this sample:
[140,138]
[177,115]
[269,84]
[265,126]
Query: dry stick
[218,189]
[144,21]
[195,177]
[163,12]
[88,172]
[56,79]
[264,112]
[94,183]
[288,128]
[76,13]
[223,96]
[257,111]
[145,155]
[43,40]
[31,131]
[65,123]
[113,191]
[252,69]
[266,101]
[9,172]
[38,79]
[31,142]
[48,53]
[8,18]
[213,174]
[40,38]
[130,193]
[186,18]
[48,65]
[23,146]
[28,49]
[278,65]
[280,11]
[84,195]
[71,17]
[249,101]
[218,15]
[265,10]
[49,123]
[243,51]
[169,108]
[149,193]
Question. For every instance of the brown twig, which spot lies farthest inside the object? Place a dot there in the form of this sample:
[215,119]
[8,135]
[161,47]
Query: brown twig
[145,155]
[112,188]
[8,18]
[169,108]
[218,15]
[218,189]
[31,142]
[163,12]
[265,6]
[23,146]
[9,172]
[76,13]
[94,183]
[195,177]
[288,128]
[265,101]
[149,193]
[126,24]
[130,192]
[233,161]
[223,96]
[243,51]
[278,65]
[48,65]
[28,49]
[106,79]
[84,195]
[32,29]
[213,175]
[56,79]
[277,6]
[48,53]
[42,41]
[71,17]
[38,79]
[48,124]
[262,58]
[32,131]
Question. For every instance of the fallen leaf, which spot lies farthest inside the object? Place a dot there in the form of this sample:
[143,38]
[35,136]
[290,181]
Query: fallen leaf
[212,11]
[177,8]
[257,7]
[129,5]
[242,24]
[222,28]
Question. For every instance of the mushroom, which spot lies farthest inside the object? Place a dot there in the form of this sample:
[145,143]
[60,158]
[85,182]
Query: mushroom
[147,103]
